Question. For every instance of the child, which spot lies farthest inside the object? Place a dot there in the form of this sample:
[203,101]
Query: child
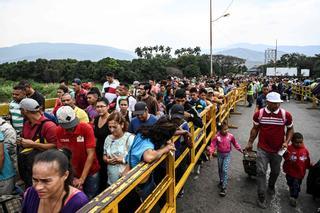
[296,161]
[222,141]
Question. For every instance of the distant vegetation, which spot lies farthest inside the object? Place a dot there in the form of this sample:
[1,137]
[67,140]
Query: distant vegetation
[153,63]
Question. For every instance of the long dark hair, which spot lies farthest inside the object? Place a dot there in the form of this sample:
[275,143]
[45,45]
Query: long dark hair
[62,157]
[160,132]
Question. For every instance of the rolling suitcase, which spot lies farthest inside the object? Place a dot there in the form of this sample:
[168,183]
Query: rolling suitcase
[249,162]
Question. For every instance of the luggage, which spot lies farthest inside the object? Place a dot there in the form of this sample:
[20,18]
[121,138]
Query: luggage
[313,180]
[249,162]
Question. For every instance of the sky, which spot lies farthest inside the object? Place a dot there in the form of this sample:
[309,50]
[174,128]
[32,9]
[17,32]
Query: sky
[127,24]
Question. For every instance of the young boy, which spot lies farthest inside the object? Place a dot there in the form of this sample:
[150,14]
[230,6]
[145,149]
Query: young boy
[296,161]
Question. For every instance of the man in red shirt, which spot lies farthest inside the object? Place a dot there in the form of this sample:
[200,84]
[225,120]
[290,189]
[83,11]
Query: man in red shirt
[79,138]
[270,123]
[38,134]
[80,94]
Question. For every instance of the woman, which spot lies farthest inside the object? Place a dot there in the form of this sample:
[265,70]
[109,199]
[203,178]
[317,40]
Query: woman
[52,190]
[62,89]
[124,105]
[101,131]
[116,146]
[149,145]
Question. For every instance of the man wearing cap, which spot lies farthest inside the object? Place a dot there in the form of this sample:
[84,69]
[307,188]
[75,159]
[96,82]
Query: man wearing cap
[80,94]
[270,123]
[142,117]
[67,100]
[135,89]
[38,134]
[79,138]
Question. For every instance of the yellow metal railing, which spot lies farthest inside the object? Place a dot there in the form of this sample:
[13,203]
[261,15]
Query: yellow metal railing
[4,108]
[305,92]
[110,198]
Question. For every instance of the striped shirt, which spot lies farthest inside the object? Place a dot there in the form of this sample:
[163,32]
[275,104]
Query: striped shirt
[272,128]
[16,116]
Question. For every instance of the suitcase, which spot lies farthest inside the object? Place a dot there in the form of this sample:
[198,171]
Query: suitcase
[249,162]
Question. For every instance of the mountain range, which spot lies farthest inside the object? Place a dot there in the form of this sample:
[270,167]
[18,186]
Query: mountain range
[253,53]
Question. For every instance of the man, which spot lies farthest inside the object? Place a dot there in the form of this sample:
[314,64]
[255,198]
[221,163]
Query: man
[79,138]
[135,89]
[155,89]
[142,117]
[195,101]
[67,100]
[10,137]
[34,94]
[270,123]
[124,94]
[38,134]
[262,98]
[18,94]
[190,114]
[80,94]
[92,98]
[109,87]
[250,92]
[151,102]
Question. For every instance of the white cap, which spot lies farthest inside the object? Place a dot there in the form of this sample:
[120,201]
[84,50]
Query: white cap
[66,117]
[274,97]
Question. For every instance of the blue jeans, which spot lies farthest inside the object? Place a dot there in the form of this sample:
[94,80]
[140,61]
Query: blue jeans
[223,165]
[294,186]
[91,185]
[145,189]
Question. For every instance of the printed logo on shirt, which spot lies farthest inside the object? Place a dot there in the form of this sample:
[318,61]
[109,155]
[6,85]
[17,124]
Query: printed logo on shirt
[80,139]
[303,158]
[63,140]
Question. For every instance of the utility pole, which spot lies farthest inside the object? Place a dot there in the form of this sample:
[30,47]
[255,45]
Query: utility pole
[211,64]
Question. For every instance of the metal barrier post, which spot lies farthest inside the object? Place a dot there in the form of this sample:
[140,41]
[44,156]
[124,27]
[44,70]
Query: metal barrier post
[170,193]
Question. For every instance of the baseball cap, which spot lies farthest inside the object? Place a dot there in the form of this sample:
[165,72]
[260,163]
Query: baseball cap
[274,97]
[67,117]
[177,111]
[140,108]
[77,81]
[29,104]
[209,90]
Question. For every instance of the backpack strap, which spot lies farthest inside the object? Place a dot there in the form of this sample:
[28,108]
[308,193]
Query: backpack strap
[283,113]
[260,114]
[38,134]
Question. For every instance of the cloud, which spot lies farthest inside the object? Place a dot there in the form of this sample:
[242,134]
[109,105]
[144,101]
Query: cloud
[177,23]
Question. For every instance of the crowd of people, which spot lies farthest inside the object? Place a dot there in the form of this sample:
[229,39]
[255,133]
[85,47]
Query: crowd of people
[63,157]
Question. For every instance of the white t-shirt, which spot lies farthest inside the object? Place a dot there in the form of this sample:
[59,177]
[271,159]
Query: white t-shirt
[109,90]
[132,103]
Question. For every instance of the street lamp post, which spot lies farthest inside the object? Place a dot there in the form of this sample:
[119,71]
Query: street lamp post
[211,21]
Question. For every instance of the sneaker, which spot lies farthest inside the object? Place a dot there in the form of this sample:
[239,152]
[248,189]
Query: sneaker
[223,192]
[293,202]
[271,190]
[262,203]
[181,193]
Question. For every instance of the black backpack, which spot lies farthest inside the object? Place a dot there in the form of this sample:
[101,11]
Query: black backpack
[313,180]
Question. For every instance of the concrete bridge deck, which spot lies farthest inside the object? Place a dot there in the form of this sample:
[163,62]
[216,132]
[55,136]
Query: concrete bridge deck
[202,194]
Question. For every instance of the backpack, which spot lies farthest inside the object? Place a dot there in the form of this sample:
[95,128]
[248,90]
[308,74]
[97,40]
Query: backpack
[10,138]
[37,135]
[283,113]
[313,180]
